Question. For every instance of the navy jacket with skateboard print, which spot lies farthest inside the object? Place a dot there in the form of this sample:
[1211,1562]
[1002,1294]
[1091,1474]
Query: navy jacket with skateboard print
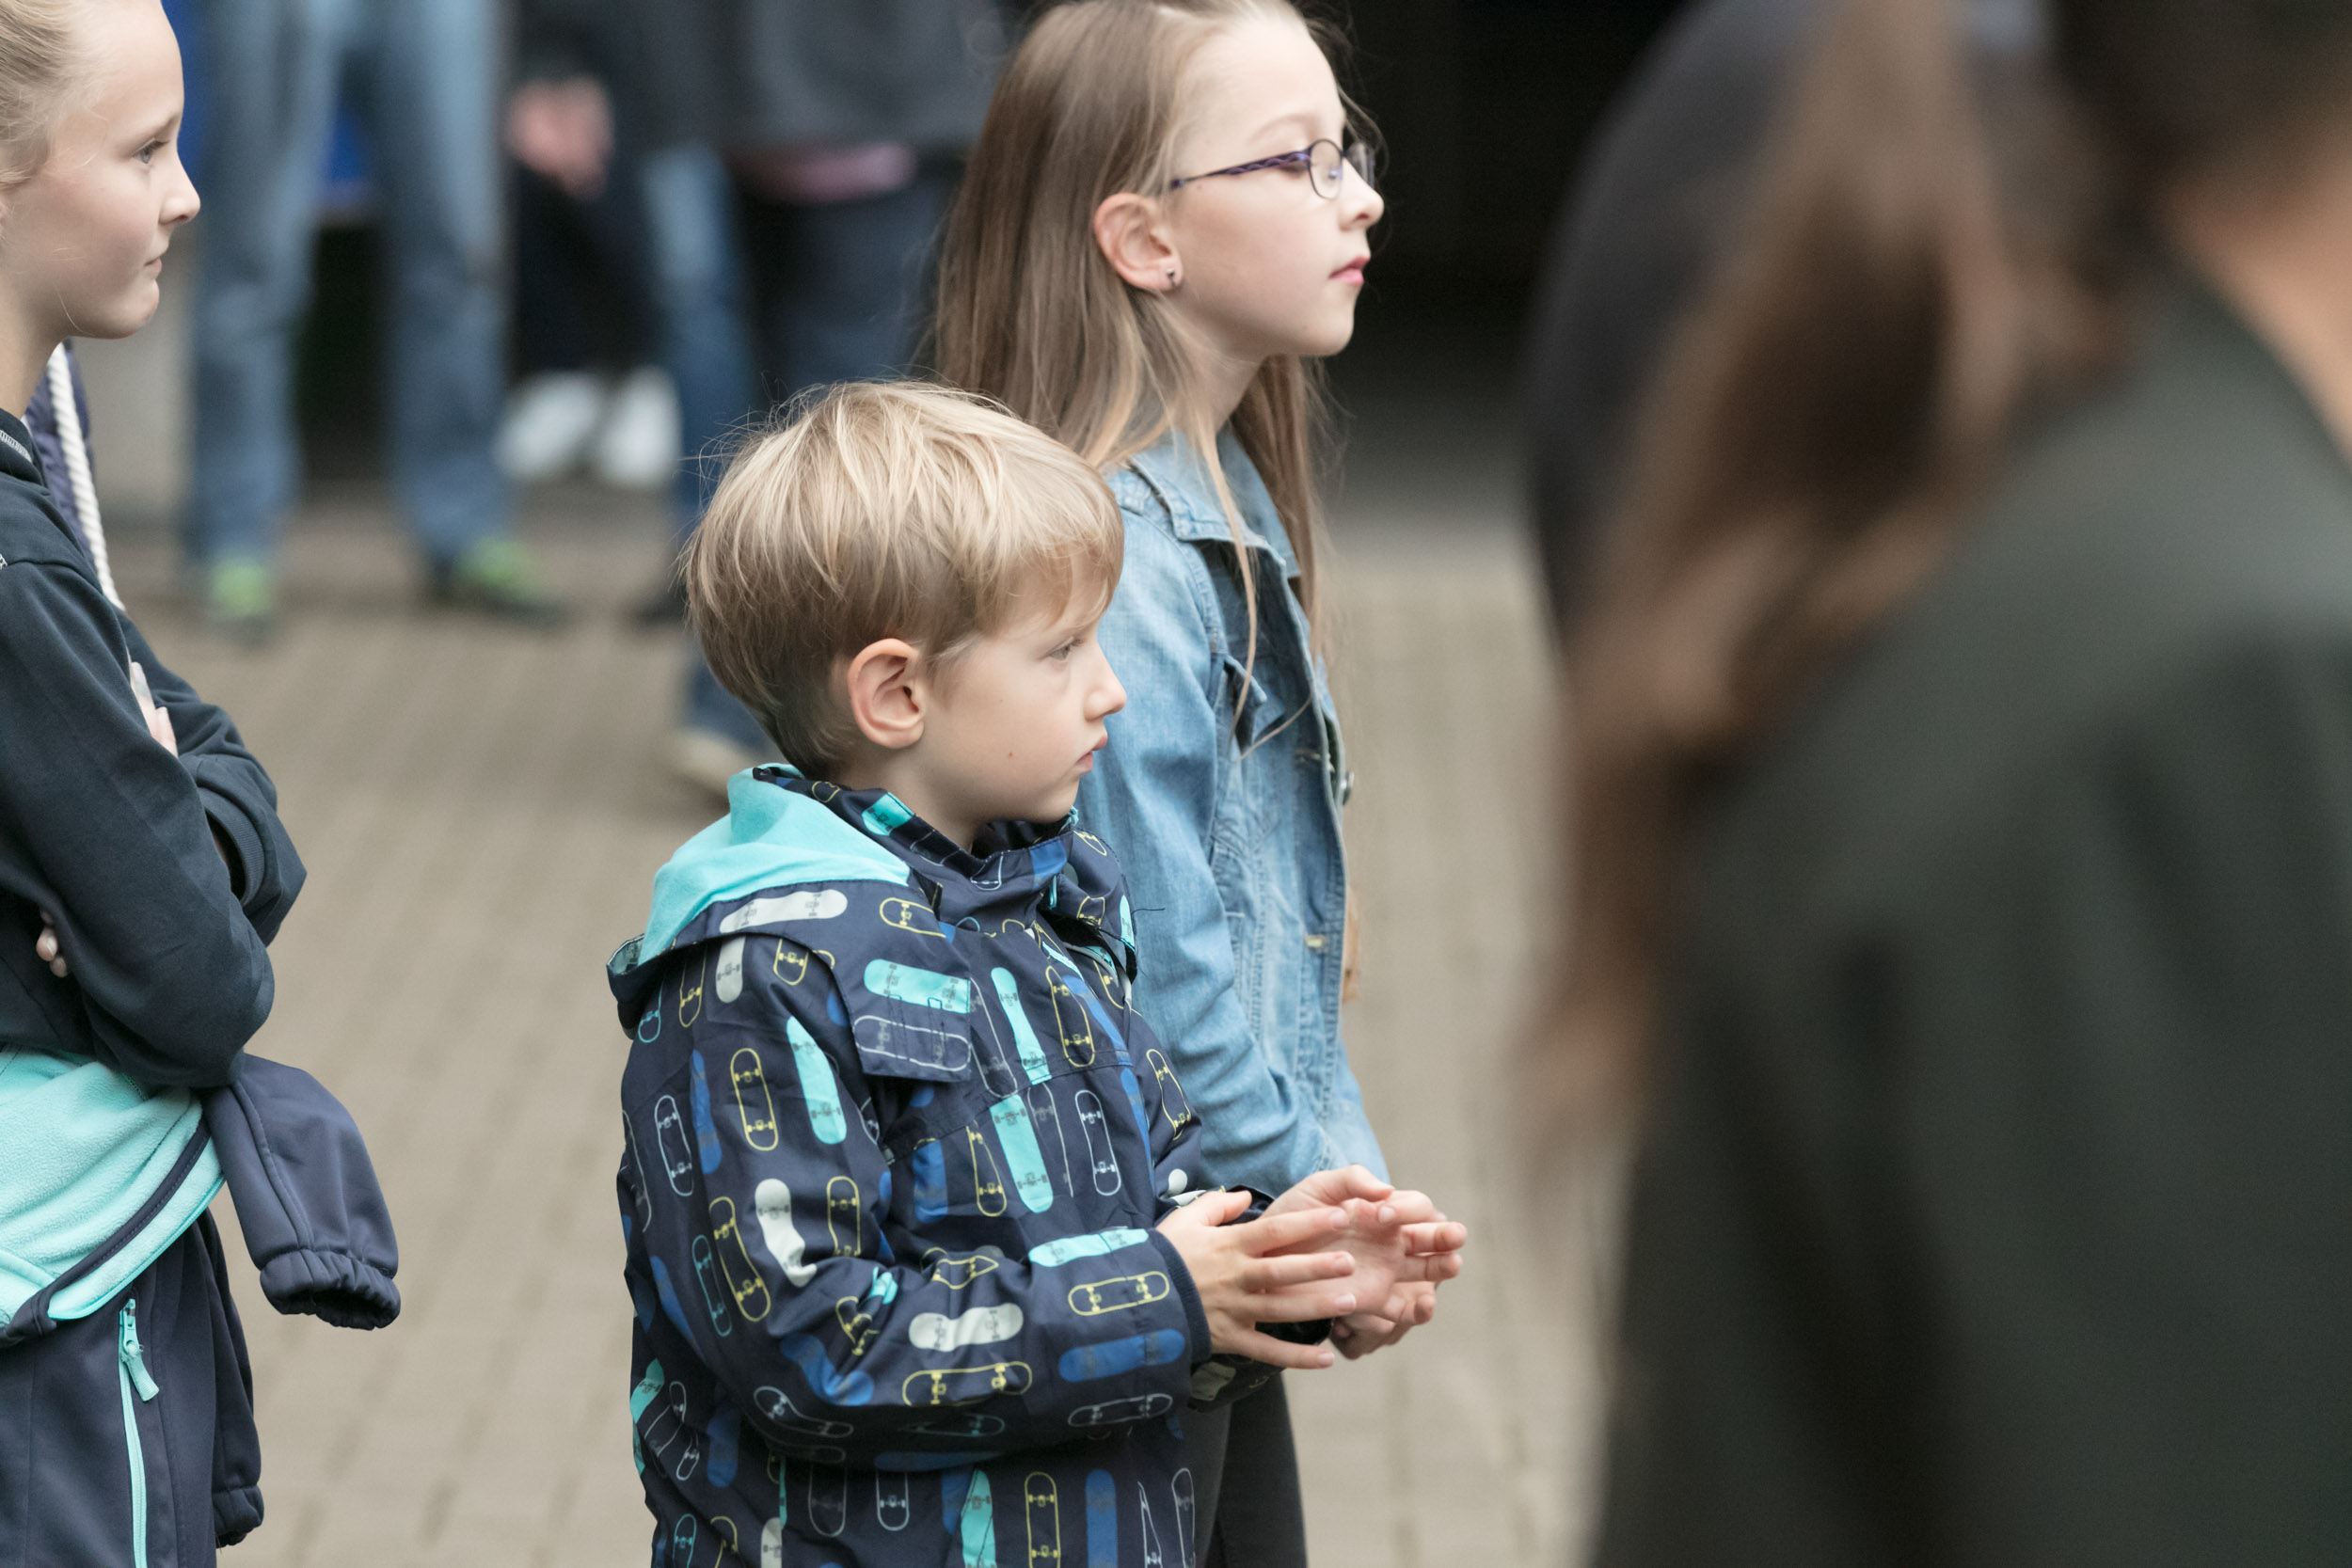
[896,1145]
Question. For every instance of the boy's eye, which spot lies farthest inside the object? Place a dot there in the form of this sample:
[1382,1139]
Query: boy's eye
[147,153]
[1065,650]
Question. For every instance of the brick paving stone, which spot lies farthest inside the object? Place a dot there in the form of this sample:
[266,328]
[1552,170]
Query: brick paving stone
[481,812]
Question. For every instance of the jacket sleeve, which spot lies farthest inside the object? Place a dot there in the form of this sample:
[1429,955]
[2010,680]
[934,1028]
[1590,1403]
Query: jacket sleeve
[1152,795]
[237,796]
[173,975]
[840,1334]
[306,1195]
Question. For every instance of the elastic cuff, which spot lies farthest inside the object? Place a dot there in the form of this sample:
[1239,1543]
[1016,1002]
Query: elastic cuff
[346,1292]
[1195,1317]
[237,1512]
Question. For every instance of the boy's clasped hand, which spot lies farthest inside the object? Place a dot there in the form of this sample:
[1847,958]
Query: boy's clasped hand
[1341,1244]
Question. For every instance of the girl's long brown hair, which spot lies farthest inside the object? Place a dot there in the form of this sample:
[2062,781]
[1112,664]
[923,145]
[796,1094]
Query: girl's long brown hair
[1939,242]
[1031,312]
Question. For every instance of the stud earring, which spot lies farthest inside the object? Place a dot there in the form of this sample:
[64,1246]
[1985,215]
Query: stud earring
[1172,277]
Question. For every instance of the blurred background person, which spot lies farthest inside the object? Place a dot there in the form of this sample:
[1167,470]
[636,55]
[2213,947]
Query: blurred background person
[590,389]
[1657,195]
[797,159]
[1962,844]
[421,74]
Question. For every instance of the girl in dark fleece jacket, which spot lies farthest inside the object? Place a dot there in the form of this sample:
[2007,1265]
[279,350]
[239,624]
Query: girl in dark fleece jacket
[142,871]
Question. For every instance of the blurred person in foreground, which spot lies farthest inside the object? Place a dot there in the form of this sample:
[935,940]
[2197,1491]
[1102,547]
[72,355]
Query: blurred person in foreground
[1963,821]
[1647,220]
[424,76]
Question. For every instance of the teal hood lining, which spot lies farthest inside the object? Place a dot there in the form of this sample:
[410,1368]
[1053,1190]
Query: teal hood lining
[771,837]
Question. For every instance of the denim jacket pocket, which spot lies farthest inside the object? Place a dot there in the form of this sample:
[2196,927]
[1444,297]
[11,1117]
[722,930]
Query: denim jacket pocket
[1245,696]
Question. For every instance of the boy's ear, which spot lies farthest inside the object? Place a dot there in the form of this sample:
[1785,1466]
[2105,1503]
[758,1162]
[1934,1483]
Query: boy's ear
[1127,228]
[885,693]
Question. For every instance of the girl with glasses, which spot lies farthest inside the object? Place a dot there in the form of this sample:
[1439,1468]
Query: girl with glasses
[1164,227]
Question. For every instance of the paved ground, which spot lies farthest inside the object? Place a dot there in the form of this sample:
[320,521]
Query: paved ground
[481,819]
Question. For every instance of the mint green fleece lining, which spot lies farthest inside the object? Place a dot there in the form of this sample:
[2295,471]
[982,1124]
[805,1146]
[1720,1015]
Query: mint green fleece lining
[770,838]
[87,1147]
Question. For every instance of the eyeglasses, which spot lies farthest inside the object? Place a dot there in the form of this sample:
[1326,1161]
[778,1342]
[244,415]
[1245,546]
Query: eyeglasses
[1325,163]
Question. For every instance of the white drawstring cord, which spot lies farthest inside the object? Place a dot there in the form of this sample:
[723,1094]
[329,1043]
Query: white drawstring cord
[68,414]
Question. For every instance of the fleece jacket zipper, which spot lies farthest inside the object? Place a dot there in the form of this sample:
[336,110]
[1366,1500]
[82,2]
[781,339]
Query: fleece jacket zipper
[133,1369]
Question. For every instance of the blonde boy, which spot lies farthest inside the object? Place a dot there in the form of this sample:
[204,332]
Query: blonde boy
[907,1183]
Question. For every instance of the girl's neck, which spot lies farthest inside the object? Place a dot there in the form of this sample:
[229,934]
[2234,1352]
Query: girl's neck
[25,350]
[1224,382]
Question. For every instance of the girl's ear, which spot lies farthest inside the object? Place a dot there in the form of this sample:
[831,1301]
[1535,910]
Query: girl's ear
[887,694]
[1131,233]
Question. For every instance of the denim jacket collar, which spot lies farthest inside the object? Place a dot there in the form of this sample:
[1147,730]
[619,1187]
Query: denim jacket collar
[1173,469]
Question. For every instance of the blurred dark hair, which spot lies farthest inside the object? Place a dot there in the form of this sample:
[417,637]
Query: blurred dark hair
[1943,241]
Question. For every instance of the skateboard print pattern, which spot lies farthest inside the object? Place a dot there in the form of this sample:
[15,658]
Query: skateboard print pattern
[892,1160]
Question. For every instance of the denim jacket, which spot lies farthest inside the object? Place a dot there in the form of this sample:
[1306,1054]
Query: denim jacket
[1229,830]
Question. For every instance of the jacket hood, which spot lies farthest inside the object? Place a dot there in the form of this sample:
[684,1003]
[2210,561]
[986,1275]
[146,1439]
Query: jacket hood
[769,838]
[782,833]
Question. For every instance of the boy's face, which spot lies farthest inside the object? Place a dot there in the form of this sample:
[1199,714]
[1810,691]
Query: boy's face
[1012,725]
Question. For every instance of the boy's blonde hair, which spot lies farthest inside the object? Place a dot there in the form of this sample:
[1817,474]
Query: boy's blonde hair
[885,509]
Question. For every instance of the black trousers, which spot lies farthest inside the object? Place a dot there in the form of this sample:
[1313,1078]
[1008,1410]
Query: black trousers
[1245,1468]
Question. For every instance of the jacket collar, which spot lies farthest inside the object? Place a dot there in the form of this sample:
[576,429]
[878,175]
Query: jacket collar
[1004,854]
[16,449]
[1173,467]
[1069,874]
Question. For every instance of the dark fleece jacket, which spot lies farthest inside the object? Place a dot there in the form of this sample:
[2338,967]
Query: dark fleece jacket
[165,933]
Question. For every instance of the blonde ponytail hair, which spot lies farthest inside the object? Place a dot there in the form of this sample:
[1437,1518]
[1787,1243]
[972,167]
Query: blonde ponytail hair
[1031,313]
[38,58]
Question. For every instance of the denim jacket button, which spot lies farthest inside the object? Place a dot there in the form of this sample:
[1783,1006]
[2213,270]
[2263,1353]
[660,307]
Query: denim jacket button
[1317,940]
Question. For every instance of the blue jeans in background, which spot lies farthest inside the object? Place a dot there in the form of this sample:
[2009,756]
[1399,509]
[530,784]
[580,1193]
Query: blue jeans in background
[839,291]
[697,287]
[422,75]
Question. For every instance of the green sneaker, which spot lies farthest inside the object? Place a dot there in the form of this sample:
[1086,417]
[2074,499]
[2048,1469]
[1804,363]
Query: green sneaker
[495,576]
[240,598]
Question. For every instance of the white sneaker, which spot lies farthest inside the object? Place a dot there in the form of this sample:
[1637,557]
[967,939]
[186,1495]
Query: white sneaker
[548,422]
[637,449]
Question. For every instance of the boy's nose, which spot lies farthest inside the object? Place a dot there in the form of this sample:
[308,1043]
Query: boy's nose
[1110,697]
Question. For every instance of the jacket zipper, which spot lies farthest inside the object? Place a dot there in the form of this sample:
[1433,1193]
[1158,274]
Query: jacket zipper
[132,1365]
